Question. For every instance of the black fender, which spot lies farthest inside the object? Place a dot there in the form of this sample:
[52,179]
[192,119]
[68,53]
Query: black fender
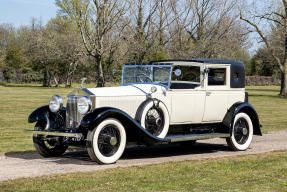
[246,108]
[135,132]
[39,114]
[53,120]
[141,108]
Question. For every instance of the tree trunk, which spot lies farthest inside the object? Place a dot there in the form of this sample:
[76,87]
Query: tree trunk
[71,82]
[56,81]
[46,78]
[100,79]
[283,90]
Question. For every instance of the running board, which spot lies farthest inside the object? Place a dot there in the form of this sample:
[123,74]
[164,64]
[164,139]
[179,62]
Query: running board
[75,135]
[189,137]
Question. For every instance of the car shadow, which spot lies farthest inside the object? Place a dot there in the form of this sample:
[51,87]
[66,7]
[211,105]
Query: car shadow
[176,149]
[81,157]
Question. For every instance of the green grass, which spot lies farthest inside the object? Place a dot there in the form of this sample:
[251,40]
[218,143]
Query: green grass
[272,109]
[18,101]
[263,172]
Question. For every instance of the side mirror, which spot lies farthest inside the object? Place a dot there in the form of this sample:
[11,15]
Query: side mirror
[177,72]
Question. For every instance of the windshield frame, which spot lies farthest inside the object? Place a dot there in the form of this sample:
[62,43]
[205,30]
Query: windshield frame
[167,65]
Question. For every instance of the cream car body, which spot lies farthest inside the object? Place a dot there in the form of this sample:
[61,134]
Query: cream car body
[161,102]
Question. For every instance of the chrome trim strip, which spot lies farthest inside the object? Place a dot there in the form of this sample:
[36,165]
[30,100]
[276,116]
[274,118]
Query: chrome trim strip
[196,137]
[76,135]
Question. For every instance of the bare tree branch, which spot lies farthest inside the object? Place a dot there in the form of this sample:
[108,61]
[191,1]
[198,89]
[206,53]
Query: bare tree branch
[264,40]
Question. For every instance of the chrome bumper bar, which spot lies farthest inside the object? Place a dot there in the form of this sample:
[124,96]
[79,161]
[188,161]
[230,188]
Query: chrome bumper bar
[63,134]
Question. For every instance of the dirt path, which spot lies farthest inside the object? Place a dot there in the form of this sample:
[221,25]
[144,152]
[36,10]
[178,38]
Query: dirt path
[14,166]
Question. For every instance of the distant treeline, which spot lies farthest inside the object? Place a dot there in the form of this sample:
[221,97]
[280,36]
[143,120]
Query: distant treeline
[94,39]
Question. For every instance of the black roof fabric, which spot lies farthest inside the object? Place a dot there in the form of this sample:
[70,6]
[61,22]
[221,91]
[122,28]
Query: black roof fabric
[237,71]
[203,60]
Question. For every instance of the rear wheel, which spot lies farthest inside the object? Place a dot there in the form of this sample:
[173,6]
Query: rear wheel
[107,141]
[242,133]
[48,146]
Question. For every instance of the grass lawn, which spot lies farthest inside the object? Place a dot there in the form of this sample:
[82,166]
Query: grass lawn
[18,101]
[263,172]
[272,109]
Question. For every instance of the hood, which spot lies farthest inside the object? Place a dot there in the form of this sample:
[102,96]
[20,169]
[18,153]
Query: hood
[129,90]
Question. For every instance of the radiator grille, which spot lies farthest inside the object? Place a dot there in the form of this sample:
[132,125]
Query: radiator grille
[73,117]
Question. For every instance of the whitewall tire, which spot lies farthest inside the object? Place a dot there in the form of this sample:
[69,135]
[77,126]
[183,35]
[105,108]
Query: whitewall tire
[242,133]
[106,142]
[155,118]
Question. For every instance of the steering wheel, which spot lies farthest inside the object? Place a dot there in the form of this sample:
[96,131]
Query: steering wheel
[142,77]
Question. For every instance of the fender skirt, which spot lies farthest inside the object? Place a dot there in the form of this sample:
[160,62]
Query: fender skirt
[135,132]
[246,108]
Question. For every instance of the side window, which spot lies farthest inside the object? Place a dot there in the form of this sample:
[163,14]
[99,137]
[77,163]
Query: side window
[189,74]
[188,79]
[217,76]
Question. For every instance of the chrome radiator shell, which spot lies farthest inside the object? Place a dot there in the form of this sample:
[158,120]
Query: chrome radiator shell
[73,117]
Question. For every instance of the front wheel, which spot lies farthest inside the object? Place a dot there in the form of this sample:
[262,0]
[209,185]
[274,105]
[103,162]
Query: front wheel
[242,133]
[106,142]
[48,146]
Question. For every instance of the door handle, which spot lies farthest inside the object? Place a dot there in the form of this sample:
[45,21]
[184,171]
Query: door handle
[208,93]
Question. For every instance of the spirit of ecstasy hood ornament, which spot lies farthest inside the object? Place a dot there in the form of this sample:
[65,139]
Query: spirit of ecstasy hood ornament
[82,82]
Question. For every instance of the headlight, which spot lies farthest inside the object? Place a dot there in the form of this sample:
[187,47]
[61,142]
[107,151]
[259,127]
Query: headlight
[56,103]
[84,105]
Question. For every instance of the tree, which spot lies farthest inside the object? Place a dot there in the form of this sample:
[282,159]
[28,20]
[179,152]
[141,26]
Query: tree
[69,48]
[95,20]
[263,63]
[43,51]
[206,28]
[274,17]
[5,30]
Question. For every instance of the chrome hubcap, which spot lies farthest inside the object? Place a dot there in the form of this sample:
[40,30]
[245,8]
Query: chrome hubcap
[113,141]
[244,131]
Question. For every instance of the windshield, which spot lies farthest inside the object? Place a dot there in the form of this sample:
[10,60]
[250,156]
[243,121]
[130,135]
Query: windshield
[158,74]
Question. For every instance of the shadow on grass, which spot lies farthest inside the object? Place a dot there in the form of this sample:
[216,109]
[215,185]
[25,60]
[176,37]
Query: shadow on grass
[270,96]
[21,85]
[263,90]
[34,86]
[81,157]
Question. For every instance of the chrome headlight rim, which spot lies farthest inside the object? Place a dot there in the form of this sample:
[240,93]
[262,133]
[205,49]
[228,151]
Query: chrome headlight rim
[84,105]
[56,103]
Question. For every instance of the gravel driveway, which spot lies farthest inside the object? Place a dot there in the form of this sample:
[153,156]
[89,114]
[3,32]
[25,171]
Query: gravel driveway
[13,166]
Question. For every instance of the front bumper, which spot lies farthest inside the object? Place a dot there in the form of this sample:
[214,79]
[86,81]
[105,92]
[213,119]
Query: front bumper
[78,136]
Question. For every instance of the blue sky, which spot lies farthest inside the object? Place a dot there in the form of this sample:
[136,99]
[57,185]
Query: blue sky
[20,12]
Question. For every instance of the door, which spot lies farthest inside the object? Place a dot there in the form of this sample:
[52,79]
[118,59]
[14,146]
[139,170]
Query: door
[216,96]
[187,106]
[187,95]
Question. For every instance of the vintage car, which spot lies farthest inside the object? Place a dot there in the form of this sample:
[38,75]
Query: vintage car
[160,102]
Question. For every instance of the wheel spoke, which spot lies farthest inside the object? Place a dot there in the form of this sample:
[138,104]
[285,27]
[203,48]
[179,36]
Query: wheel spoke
[104,144]
[239,127]
[154,121]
